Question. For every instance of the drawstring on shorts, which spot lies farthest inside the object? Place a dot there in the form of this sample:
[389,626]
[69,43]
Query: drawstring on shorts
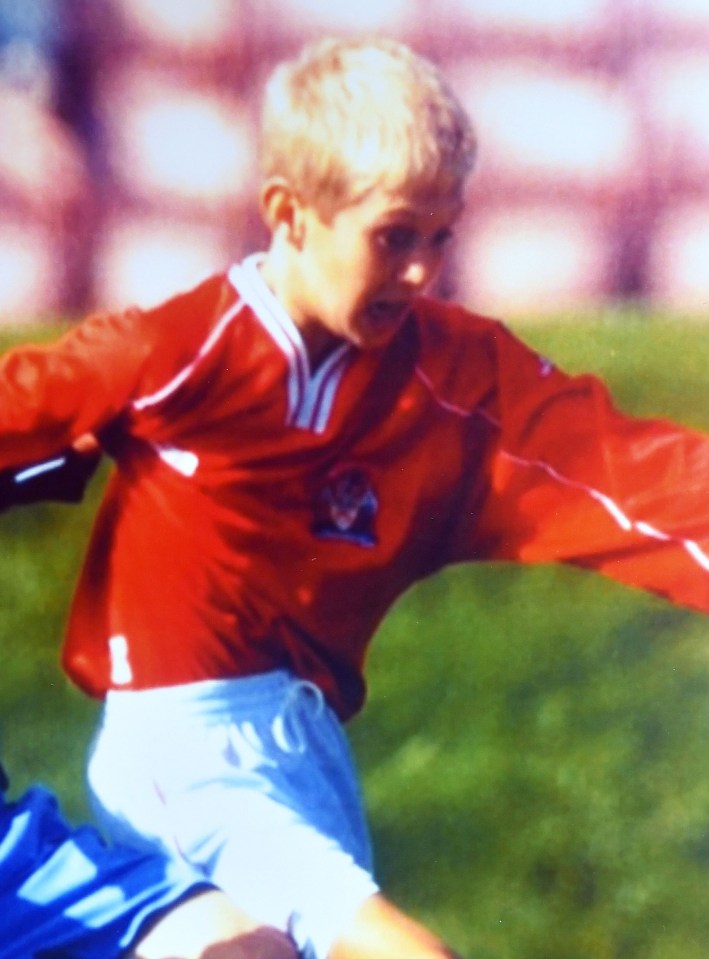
[287,727]
[245,740]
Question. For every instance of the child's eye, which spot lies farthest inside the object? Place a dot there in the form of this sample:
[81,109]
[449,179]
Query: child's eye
[398,239]
[442,237]
[405,239]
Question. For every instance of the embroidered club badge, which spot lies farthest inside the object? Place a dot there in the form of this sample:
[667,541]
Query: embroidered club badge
[346,507]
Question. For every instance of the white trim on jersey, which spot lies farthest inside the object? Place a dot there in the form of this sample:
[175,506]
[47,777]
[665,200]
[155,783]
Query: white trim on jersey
[246,278]
[453,407]
[152,398]
[319,397]
[38,469]
[310,395]
[625,522]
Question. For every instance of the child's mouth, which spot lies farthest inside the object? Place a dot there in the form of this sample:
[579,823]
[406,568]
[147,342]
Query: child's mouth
[387,313]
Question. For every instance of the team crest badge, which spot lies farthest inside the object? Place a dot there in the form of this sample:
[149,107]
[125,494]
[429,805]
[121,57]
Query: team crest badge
[346,507]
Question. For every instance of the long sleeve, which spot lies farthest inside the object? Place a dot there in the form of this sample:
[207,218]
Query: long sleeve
[51,394]
[572,479]
[61,478]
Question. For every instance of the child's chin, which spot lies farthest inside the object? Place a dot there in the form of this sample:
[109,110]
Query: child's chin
[375,340]
[375,335]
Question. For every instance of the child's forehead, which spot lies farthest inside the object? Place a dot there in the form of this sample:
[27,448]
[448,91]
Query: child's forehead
[412,202]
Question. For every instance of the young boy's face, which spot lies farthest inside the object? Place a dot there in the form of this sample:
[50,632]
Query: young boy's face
[358,273]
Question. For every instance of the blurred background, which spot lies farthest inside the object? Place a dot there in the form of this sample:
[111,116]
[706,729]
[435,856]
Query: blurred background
[127,145]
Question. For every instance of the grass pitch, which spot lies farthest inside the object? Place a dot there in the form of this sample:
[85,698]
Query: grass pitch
[534,751]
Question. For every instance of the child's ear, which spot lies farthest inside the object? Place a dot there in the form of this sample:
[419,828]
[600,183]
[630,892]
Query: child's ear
[283,210]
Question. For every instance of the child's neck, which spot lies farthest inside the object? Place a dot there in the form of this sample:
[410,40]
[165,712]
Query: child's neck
[319,342]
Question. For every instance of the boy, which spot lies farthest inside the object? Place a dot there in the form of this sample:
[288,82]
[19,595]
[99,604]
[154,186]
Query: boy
[296,443]
[63,892]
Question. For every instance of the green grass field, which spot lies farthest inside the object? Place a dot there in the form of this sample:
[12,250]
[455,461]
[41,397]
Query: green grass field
[534,751]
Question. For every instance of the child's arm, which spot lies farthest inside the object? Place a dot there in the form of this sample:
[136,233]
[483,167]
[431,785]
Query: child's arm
[61,478]
[52,394]
[572,479]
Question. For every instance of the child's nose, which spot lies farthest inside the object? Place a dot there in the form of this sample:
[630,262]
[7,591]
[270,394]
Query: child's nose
[418,271]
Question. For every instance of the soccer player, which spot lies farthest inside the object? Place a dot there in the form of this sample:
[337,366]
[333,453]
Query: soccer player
[296,442]
[63,892]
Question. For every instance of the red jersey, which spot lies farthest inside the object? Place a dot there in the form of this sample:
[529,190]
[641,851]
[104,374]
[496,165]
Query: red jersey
[262,515]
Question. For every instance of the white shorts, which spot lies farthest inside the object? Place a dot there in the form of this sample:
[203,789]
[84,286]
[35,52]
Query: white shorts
[63,892]
[251,780]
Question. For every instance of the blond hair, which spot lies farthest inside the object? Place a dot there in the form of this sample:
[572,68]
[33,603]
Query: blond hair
[348,115]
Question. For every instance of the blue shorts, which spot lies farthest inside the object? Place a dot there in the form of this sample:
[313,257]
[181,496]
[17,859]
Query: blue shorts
[64,892]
